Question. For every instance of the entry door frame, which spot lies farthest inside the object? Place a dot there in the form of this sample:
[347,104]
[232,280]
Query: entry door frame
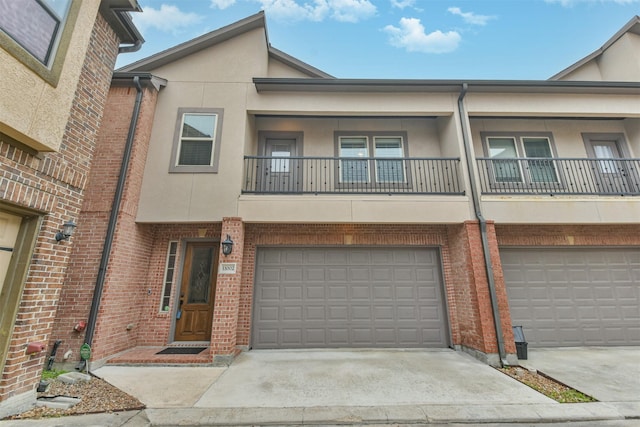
[263,147]
[17,273]
[628,178]
[177,285]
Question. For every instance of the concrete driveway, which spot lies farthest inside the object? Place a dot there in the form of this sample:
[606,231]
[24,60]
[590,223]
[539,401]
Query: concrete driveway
[609,374]
[290,378]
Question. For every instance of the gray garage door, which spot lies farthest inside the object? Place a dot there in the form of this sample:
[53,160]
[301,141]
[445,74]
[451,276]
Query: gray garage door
[348,297]
[574,297]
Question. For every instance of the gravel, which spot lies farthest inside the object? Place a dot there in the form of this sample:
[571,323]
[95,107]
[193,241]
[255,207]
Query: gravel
[96,396]
[547,386]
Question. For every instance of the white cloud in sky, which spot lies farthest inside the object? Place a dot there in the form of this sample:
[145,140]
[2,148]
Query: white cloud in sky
[401,4]
[222,4]
[411,36]
[470,17]
[570,3]
[318,10]
[168,19]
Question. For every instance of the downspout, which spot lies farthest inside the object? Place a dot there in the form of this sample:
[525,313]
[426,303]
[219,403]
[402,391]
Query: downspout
[130,48]
[493,296]
[113,217]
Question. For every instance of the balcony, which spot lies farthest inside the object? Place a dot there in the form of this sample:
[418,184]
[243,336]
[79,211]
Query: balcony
[340,175]
[556,176]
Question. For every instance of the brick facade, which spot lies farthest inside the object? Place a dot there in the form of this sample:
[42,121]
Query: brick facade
[117,323]
[53,184]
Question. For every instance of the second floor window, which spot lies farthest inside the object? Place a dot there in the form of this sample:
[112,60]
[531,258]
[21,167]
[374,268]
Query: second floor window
[507,153]
[197,141]
[357,165]
[34,24]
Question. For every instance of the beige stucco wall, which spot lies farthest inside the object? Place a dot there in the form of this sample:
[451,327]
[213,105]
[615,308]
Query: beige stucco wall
[423,139]
[621,61]
[561,209]
[279,69]
[545,105]
[362,209]
[31,110]
[587,72]
[566,134]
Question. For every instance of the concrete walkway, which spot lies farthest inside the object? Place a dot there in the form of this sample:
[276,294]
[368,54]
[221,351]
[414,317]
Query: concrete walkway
[357,387]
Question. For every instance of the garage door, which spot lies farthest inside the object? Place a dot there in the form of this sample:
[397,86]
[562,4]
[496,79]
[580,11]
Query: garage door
[348,297]
[574,297]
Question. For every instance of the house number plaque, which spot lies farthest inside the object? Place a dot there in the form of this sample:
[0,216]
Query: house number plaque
[228,268]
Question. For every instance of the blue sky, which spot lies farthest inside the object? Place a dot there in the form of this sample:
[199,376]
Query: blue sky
[405,39]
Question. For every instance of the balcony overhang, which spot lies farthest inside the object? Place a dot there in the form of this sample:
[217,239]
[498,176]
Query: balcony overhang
[438,86]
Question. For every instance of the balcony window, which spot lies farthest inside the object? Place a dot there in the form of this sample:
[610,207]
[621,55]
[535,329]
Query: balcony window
[389,170]
[521,159]
[353,169]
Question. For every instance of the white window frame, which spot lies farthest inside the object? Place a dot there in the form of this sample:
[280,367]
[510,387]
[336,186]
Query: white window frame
[346,158]
[518,138]
[400,159]
[212,167]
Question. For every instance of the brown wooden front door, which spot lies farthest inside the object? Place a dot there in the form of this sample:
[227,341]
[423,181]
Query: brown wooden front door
[197,292]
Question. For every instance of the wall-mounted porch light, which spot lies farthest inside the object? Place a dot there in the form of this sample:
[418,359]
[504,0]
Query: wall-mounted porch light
[227,246]
[66,232]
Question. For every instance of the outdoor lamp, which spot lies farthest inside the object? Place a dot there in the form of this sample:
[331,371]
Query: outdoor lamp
[66,232]
[227,246]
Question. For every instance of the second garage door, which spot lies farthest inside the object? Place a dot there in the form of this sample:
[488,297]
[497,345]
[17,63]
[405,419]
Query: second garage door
[574,297]
[348,297]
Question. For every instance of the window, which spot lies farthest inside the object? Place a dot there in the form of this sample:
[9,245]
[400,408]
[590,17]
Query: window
[169,275]
[37,33]
[354,169]
[356,164]
[389,170]
[520,158]
[197,141]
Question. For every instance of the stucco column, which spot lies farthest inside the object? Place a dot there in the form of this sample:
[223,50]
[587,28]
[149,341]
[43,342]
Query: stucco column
[225,315]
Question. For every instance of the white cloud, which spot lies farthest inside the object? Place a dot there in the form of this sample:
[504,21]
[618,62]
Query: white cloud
[351,10]
[291,10]
[168,19]
[401,4]
[571,3]
[318,10]
[222,4]
[411,35]
[470,17]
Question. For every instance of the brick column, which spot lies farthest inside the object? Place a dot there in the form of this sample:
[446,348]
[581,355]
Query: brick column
[225,314]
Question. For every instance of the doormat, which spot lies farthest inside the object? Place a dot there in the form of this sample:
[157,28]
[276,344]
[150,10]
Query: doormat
[182,350]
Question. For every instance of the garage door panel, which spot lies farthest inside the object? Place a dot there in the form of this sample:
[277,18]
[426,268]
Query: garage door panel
[592,295]
[362,297]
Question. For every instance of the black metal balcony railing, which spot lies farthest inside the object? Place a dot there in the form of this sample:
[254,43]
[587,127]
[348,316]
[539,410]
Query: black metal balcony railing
[559,176]
[335,175]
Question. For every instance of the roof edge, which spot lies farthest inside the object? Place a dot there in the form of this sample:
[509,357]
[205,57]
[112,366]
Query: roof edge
[126,79]
[626,28]
[297,64]
[199,43]
[387,85]
[116,13]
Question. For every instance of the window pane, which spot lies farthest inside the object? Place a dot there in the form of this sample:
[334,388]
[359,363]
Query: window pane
[195,153]
[200,275]
[199,125]
[280,165]
[539,170]
[354,170]
[502,149]
[389,170]
[31,25]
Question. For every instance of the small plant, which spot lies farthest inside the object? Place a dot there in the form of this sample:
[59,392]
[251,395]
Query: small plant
[54,373]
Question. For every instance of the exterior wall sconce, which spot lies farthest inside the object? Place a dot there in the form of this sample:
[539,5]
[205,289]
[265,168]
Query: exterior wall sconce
[66,232]
[227,246]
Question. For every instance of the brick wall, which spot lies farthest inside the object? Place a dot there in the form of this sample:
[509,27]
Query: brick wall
[568,235]
[53,183]
[124,285]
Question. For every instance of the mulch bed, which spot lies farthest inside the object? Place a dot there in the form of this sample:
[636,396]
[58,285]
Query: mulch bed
[96,396]
[547,386]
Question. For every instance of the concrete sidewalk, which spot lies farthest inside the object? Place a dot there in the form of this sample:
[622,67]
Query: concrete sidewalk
[338,387]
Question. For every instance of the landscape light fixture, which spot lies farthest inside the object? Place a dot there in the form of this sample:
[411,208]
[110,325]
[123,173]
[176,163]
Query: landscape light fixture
[227,246]
[66,232]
